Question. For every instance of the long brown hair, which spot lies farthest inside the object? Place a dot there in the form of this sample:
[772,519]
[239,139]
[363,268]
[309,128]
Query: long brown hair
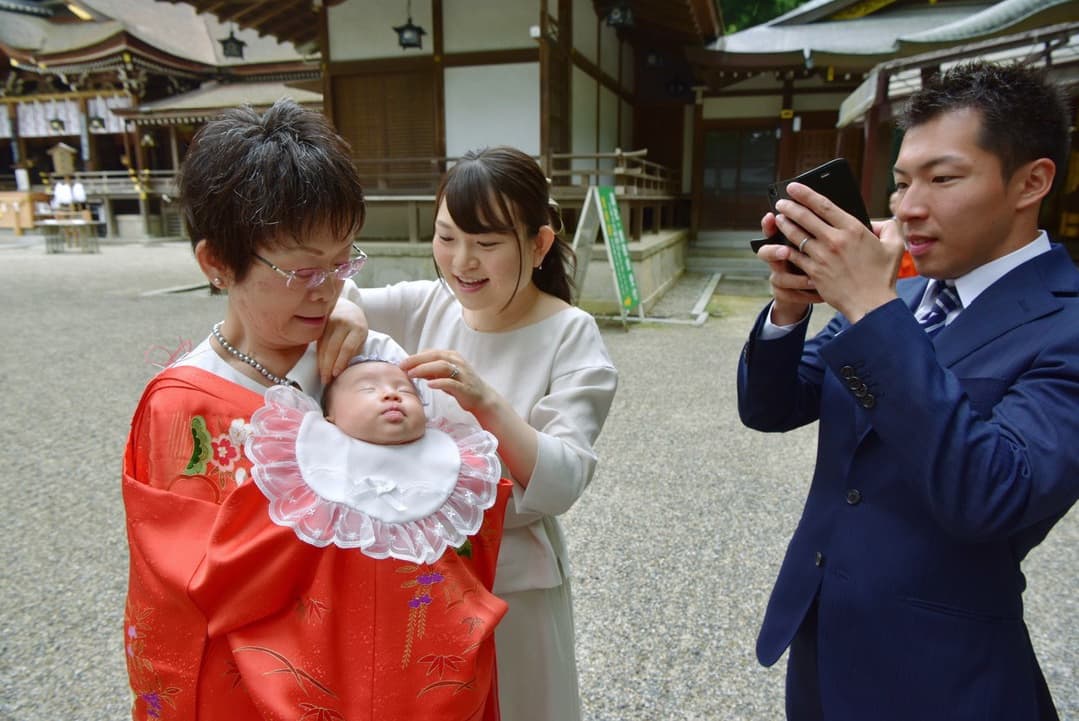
[500,190]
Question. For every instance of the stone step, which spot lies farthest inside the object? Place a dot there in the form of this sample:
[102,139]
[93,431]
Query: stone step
[728,253]
[743,285]
[747,265]
[725,240]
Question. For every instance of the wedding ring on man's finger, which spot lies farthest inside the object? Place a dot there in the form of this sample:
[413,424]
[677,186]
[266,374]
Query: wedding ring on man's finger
[454,371]
[802,245]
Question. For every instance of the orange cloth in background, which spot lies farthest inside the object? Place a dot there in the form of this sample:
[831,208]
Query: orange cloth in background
[906,266]
[230,616]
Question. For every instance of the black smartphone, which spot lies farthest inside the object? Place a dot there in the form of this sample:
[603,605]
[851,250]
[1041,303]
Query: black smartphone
[835,180]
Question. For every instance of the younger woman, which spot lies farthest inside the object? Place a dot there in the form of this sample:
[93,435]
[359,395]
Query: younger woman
[499,334]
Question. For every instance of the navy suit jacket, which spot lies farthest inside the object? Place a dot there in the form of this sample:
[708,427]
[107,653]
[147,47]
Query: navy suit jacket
[940,463]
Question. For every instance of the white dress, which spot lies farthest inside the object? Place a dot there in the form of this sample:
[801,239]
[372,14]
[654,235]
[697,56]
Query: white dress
[558,376]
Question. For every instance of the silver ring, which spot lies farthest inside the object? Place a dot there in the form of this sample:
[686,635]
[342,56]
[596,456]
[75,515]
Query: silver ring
[454,371]
[803,243]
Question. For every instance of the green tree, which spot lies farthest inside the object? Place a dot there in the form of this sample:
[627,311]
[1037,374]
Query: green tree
[742,14]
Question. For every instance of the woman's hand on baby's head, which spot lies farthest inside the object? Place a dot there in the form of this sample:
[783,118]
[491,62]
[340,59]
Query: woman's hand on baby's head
[446,370]
[342,339]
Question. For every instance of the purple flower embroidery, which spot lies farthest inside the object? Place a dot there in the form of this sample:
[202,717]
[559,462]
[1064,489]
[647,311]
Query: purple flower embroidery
[132,632]
[419,601]
[428,579]
[153,704]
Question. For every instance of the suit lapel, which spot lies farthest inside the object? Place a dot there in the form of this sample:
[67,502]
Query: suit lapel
[1022,295]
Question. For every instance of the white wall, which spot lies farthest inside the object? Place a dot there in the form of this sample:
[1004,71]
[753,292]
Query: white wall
[583,128]
[608,49]
[608,128]
[819,101]
[688,123]
[629,70]
[363,29]
[493,105]
[626,138]
[755,107]
[584,29]
[766,105]
[471,25]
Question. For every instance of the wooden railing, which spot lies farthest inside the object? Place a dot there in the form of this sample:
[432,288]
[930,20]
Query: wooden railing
[410,183]
[124,183]
[403,176]
[629,171]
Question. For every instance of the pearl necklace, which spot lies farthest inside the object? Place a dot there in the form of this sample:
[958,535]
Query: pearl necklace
[275,379]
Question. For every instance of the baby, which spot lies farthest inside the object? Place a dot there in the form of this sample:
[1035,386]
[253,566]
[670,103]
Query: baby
[374,400]
[369,469]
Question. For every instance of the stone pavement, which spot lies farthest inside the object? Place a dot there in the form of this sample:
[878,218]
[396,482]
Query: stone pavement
[674,546]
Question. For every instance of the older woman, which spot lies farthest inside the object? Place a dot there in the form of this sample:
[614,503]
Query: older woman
[230,615]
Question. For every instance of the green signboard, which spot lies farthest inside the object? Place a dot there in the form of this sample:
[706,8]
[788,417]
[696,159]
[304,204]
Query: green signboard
[618,250]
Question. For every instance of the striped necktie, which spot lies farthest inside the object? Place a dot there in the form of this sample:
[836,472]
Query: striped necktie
[945,300]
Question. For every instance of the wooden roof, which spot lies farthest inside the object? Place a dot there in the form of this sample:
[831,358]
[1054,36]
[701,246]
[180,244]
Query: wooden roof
[686,22]
[853,36]
[294,21]
[694,22]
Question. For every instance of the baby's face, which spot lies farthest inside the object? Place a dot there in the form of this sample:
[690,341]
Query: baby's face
[376,402]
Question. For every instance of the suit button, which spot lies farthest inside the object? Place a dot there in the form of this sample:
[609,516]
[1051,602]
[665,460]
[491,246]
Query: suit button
[854,496]
[847,371]
[854,383]
[818,559]
[861,391]
[869,401]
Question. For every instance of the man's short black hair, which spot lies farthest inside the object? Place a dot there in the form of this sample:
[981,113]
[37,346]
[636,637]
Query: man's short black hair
[1024,116]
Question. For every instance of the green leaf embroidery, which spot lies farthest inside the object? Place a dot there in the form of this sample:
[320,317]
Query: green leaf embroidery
[465,549]
[202,451]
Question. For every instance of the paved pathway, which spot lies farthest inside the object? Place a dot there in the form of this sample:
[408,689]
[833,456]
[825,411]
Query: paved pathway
[675,545]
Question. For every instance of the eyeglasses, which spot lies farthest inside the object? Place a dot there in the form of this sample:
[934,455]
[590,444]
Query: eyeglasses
[309,278]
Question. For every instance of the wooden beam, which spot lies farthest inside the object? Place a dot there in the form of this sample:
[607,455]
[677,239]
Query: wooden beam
[707,17]
[258,15]
[439,81]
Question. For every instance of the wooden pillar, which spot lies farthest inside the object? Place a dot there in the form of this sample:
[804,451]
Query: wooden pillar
[18,147]
[110,218]
[544,90]
[786,160]
[174,148]
[88,137]
[140,165]
[872,133]
[439,71]
[697,162]
[327,77]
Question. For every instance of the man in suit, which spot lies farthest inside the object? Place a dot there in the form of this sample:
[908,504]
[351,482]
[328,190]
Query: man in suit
[948,415]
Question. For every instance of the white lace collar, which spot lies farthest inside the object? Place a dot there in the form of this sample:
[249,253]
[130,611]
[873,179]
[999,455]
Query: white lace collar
[409,502]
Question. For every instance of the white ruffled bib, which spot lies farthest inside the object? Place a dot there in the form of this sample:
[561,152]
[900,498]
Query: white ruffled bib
[410,501]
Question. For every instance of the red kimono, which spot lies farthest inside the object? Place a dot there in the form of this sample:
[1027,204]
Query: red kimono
[230,616]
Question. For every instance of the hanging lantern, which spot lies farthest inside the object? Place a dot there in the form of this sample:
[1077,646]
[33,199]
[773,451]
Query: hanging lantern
[620,16]
[410,35]
[232,46]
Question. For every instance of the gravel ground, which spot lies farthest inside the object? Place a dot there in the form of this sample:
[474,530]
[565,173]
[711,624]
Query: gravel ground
[675,545]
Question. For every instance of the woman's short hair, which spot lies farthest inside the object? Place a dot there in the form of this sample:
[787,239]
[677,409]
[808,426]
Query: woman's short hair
[251,180]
